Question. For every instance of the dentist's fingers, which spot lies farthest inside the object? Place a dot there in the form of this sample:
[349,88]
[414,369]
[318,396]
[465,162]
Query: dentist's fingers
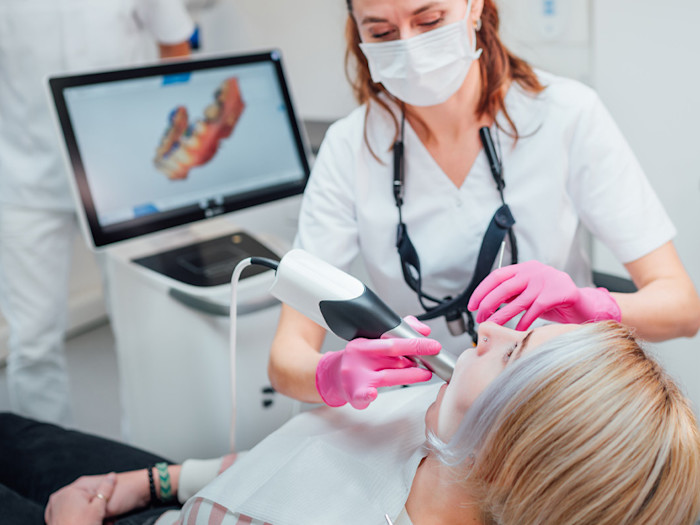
[536,309]
[361,399]
[521,303]
[491,281]
[406,376]
[418,326]
[395,346]
[505,292]
[390,363]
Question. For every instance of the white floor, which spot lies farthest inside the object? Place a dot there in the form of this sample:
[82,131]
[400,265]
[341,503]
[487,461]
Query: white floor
[93,372]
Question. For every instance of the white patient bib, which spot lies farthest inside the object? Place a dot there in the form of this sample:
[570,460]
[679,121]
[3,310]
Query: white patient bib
[332,465]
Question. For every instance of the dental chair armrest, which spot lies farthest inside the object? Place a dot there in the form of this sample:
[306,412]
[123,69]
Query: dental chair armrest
[613,283]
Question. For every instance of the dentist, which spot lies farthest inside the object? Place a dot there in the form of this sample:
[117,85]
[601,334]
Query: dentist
[459,148]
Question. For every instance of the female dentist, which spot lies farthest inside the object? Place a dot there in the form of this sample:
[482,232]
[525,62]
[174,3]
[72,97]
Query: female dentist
[459,147]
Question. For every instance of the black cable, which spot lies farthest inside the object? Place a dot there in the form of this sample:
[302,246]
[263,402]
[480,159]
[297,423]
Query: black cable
[263,261]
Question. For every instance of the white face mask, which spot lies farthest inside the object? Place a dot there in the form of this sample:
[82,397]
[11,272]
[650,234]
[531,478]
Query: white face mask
[427,69]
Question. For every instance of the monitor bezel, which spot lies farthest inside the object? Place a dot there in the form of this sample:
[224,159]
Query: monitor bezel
[100,236]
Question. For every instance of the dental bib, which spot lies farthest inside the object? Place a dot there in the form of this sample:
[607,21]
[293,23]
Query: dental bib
[332,465]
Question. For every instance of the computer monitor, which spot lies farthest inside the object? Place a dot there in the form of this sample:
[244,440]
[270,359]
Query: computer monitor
[165,145]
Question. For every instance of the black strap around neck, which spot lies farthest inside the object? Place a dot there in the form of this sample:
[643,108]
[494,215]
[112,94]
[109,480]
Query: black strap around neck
[500,225]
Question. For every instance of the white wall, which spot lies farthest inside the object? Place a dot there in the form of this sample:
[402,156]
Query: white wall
[552,35]
[310,34]
[645,69]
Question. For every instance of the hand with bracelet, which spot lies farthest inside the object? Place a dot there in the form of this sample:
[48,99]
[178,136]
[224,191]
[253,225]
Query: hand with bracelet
[131,490]
[81,502]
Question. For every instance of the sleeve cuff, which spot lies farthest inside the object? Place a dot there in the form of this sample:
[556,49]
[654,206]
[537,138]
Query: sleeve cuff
[195,474]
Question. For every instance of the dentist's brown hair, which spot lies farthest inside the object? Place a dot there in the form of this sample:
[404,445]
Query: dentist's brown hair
[499,68]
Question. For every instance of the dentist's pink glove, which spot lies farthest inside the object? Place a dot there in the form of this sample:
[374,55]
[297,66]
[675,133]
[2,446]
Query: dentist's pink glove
[352,375]
[540,291]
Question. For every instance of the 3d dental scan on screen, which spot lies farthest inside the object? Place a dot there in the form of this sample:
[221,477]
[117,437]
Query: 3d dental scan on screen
[164,145]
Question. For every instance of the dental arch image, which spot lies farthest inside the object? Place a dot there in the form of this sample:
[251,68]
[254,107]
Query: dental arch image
[186,145]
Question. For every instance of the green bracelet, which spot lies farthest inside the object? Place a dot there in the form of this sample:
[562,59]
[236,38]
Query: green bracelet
[166,489]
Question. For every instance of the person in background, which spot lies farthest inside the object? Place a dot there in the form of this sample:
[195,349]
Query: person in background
[406,185]
[37,220]
[560,425]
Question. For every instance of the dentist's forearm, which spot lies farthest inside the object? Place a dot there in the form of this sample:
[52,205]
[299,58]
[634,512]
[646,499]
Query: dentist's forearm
[663,309]
[294,356]
[666,304]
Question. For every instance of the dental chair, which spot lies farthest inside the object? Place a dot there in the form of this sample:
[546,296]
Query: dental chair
[613,283]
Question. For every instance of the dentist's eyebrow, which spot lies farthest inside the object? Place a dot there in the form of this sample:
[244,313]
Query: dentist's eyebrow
[526,340]
[376,20]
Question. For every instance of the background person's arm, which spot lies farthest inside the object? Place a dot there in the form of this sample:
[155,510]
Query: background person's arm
[169,24]
[181,49]
[666,304]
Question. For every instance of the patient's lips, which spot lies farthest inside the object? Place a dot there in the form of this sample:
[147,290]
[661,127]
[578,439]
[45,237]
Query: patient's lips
[184,146]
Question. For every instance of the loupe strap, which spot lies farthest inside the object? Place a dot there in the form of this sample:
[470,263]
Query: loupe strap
[410,265]
[494,162]
[398,168]
[501,224]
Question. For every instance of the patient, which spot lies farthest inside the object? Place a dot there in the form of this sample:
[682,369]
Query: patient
[559,425]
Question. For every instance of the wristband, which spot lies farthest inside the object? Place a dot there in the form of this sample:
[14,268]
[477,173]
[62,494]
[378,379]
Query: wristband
[166,489]
[152,486]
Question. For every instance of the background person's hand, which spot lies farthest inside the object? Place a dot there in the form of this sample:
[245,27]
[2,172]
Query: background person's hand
[353,375]
[78,505]
[539,291]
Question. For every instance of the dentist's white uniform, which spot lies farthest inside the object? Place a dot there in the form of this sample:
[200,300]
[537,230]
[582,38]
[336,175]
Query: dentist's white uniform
[37,223]
[570,171]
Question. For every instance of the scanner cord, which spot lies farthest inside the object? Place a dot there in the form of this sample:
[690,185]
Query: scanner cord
[235,277]
[237,271]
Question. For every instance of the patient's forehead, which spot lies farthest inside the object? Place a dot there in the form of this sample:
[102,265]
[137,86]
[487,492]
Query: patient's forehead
[544,333]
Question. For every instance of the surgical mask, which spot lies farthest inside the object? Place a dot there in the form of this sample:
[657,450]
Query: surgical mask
[427,69]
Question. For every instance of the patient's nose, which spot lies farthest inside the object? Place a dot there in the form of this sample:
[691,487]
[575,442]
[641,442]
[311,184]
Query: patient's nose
[491,334]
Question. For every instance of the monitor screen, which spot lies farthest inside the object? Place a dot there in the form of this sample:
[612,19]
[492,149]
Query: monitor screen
[165,145]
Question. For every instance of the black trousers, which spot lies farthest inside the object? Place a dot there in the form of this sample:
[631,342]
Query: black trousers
[36,459]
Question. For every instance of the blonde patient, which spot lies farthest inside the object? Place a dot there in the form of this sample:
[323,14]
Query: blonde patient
[562,424]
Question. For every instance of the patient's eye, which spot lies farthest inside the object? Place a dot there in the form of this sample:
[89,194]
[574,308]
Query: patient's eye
[509,353]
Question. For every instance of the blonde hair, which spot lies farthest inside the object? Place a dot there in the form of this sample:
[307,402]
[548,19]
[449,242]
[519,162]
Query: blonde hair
[587,430]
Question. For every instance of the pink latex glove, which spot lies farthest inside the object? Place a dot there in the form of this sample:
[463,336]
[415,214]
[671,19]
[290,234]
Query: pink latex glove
[352,375]
[539,291]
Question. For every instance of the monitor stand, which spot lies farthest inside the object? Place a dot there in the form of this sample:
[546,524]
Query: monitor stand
[211,262]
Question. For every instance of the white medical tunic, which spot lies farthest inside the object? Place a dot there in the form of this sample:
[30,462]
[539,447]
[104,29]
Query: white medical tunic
[42,37]
[571,170]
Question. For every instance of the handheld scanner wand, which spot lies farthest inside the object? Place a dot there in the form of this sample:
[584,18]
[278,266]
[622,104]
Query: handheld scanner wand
[344,305]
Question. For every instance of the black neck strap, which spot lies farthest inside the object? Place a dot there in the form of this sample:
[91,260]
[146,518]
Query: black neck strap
[454,309]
